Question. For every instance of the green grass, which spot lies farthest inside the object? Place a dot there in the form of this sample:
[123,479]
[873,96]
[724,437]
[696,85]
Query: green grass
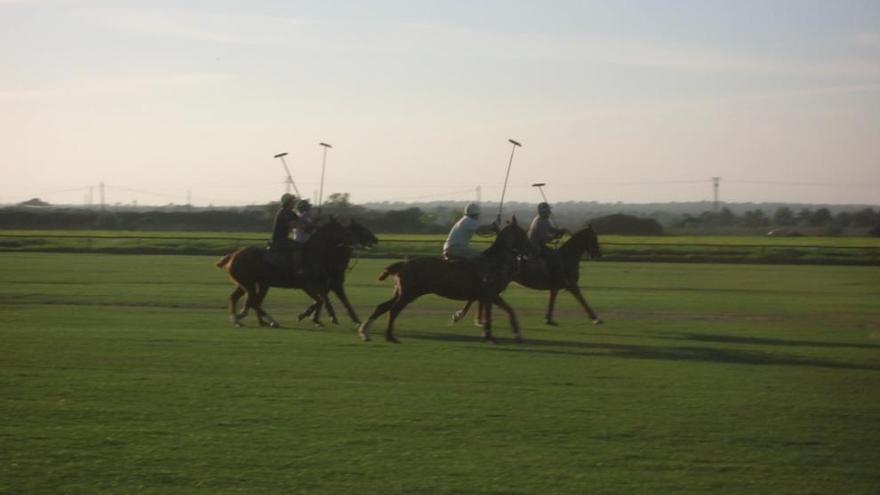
[120,374]
[708,249]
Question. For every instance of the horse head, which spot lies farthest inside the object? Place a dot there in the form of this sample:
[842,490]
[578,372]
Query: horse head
[361,234]
[332,233]
[591,242]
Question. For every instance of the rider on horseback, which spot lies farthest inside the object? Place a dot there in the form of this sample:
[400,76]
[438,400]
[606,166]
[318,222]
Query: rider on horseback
[285,220]
[542,231]
[457,245]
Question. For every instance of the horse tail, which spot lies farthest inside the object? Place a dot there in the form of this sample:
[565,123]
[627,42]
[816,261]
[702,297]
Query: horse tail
[392,269]
[224,261]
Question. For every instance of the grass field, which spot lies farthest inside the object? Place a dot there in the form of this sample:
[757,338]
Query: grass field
[718,249]
[120,374]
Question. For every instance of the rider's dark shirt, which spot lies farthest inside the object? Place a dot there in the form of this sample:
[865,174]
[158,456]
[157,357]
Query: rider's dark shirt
[281,228]
[541,231]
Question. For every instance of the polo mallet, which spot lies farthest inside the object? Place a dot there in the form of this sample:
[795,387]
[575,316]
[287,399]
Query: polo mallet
[323,166]
[540,186]
[289,177]
[506,176]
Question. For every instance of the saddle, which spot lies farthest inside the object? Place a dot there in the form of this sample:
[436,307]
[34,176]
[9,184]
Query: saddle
[277,259]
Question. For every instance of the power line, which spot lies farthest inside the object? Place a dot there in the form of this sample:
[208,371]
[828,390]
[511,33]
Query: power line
[809,184]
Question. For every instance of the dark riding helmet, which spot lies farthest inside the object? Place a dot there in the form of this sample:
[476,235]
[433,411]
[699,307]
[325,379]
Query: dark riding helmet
[287,198]
[303,205]
[543,208]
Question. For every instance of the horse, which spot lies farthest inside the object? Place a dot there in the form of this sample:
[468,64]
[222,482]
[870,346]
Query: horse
[535,275]
[458,280]
[253,273]
[335,262]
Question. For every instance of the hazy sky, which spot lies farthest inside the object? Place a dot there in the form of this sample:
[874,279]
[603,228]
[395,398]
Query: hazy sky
[634,101]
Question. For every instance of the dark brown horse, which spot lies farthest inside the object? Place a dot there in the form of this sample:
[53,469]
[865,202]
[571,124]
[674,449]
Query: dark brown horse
[335,261]
[456,280]
[535,275]
[253,273]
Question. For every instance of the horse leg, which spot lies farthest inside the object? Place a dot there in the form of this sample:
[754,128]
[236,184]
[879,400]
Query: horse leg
[308,312]
[461,313]
[264,317]
[255,302]
[319,299]
[514,323]
[381,309]
[485,314]
[551,303]
[340,293]
[395,310]
[330,311]
[250,302]
[576,292]
[234,317]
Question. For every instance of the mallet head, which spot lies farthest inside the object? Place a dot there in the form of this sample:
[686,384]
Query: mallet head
[325,145]
[514,142]
[279,155]
[539,184]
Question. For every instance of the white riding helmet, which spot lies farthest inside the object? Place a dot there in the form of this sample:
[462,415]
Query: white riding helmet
[472,209]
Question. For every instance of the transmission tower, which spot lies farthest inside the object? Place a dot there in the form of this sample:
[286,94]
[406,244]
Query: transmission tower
[716,182]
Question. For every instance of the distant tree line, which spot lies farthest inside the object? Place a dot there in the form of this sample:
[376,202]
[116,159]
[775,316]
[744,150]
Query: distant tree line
[439,218]
[785,221]
[246,219]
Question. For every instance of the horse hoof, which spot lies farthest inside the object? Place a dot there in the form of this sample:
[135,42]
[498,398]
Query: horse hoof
[301,317]
[318,324]
[551,323]
[364,329]
[334,321]
[392,339]
[489,340]
[274,324]
[479,324]
[597,321]
[457,316]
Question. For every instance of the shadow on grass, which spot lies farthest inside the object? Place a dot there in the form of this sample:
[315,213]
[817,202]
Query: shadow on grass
[638,351]
[733,339]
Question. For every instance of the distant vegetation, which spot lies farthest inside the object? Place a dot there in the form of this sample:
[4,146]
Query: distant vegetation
[626,225]
[436,218]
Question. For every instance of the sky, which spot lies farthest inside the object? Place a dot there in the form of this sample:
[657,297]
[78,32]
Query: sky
[639,101]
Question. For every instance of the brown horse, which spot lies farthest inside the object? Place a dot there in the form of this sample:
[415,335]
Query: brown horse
[535,275]
[456,280]
[253,273]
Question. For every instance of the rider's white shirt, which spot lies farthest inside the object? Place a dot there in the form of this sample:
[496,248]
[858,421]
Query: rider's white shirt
[461,233]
